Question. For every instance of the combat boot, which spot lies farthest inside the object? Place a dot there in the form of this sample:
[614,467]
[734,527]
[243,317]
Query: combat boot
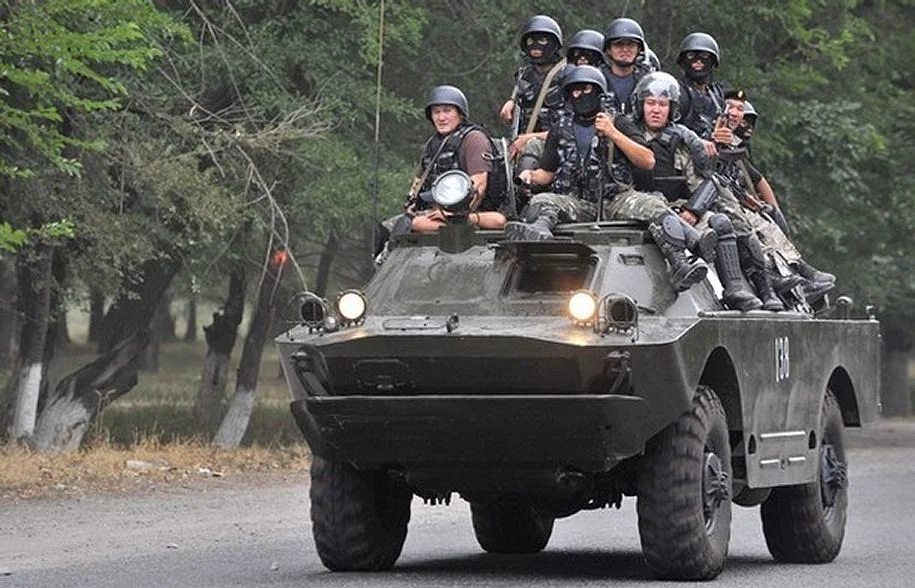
[737,294]
[782,284]
[811,273]
[765,292]
[539,230]
[671,239]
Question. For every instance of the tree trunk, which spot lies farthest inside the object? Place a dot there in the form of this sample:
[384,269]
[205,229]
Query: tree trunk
[233,426]
[134,308]
[82,395]
[220,337]
[35,285]
[8,320]
[322,278]
[190,334]
[96,314]
[895,387]
[58,329]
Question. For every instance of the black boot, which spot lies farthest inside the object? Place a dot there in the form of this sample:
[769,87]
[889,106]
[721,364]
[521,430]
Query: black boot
[763,285]
[811,273]
[539,230]
[671,239]
[737,295]
[782,284]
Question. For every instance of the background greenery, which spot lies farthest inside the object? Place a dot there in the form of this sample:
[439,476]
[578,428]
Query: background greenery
[198,129]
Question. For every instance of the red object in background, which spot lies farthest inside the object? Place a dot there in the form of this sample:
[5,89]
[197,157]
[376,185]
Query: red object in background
[280,257]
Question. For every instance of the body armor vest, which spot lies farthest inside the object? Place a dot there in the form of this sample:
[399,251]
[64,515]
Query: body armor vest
[662,177]
[586,176]
[528,84]
[448,159]
[701,108]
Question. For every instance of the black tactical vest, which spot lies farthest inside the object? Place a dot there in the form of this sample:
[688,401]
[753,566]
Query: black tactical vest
[527,85]
[583,175]
[665,177]
[700,109]
[448,159]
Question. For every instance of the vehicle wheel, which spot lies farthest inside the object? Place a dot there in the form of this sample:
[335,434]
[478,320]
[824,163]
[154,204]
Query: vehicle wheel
[510,524]
[359,519]
[684,494]
[806,523]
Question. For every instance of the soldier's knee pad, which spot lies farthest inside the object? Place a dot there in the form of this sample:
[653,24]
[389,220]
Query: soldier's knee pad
[721,224]
[672,229]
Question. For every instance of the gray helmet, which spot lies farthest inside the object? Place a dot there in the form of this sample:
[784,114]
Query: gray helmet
[588,39]
[447,95]
[624,28]
[584,74]
[699,42]
[541,24]
[660,85]
[650,59]
[749,113]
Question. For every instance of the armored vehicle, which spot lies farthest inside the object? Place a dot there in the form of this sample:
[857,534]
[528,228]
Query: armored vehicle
[539,379]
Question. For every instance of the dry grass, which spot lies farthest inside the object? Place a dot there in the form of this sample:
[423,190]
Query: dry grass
[25,474]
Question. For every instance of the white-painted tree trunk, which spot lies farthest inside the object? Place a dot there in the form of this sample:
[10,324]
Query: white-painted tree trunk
[26,407]
[235,423]
[62,426]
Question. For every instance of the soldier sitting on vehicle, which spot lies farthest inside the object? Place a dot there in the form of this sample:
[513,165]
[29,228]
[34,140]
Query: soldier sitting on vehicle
[588,160]
[680,173]
[758,200]
[537,96]
[456,144]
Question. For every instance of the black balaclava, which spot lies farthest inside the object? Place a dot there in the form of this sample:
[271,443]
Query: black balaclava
[550,51]
[702,76]
[586,106]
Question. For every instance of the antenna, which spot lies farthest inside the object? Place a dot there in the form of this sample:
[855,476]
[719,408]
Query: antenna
[377,149]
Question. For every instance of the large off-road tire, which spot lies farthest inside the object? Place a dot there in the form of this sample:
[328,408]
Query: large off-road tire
[684,494]
[510,524]
[806,523]
[359,519]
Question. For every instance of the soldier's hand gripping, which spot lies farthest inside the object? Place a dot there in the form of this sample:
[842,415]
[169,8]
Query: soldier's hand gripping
[722,133]
[603,123]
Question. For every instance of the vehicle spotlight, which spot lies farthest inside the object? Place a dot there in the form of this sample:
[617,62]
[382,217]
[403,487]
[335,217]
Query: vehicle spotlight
[453,191]
[312,309]
[351,306]
[582,306]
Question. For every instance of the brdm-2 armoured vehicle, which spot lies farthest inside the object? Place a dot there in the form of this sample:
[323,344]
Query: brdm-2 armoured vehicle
[539,379]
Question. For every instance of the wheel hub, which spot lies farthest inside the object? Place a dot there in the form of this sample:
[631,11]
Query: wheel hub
[716,486]
[833,475]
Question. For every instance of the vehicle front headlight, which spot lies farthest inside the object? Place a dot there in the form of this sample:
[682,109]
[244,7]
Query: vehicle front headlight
[351,306]
[583,306]
[453,190]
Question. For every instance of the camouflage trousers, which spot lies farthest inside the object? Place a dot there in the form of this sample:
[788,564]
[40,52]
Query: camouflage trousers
[747,222]
[627,205]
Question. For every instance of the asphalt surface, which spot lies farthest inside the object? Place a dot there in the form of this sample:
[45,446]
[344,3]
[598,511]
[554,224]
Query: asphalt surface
[256,532]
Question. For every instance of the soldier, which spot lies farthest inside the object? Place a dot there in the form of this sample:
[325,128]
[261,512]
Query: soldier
[766,218]
[456,144]
[701,98]
[537,96]
[680,173]
[624,44]
[577,162]
[586,48]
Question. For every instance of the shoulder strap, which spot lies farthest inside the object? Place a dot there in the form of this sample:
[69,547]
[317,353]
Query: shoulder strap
[531,124]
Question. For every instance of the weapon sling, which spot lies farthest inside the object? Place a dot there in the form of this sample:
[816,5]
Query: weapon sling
[535,114]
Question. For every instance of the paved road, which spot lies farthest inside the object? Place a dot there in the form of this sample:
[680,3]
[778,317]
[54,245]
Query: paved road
[255,532]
